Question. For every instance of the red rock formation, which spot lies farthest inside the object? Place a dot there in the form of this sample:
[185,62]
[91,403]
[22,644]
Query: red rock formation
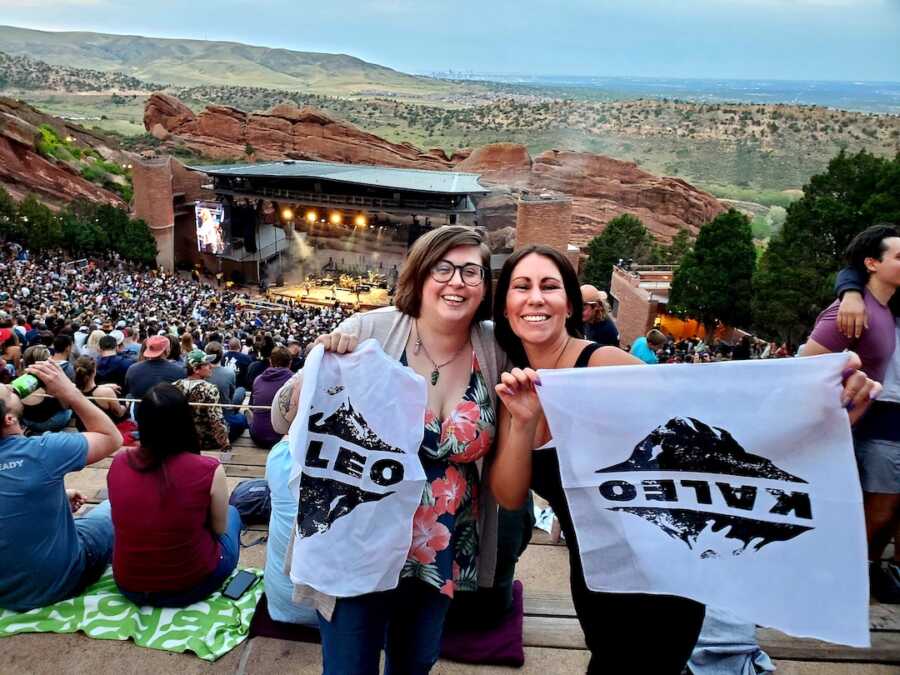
[222,132]
[600,187]
[23,170]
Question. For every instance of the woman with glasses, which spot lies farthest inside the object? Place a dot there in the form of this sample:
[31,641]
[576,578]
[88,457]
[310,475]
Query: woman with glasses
[438,328]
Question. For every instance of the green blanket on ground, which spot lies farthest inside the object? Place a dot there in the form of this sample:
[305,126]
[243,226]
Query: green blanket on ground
[210,628]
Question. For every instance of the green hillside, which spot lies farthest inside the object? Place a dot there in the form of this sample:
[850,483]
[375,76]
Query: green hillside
[197,62]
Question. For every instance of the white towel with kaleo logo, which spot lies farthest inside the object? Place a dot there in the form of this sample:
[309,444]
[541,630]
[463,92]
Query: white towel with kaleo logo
[356,471]
[733,484]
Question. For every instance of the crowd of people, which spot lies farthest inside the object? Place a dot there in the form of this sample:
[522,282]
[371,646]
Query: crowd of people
[167,528]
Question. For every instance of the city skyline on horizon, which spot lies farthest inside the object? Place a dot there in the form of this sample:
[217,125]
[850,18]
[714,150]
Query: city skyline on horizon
[819,40]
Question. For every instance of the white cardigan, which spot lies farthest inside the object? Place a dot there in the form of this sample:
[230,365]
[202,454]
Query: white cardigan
[391,328]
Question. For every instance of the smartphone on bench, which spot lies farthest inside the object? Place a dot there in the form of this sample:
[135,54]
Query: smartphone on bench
[240,584]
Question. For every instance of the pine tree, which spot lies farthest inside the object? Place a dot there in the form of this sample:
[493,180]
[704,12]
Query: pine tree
[714,282]
[624,237]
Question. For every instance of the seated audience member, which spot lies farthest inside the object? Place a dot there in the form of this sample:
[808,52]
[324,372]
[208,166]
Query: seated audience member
[279,588]
[224,379]
[130,346]
[155,368]
[62,353]
[85,374]
[296,351]
[111,365]
[41,412]
[646,348]
[263,346]
[10,347]
[264,389]
[238,361]
[49,556]
[209,420]
[176,537]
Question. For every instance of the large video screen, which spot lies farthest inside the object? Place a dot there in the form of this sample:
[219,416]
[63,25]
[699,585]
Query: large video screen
[210,227]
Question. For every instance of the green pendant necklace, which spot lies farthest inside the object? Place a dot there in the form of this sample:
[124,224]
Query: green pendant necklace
[436,373]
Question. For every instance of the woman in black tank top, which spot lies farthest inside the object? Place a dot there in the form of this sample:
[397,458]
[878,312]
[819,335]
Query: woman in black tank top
[538,323]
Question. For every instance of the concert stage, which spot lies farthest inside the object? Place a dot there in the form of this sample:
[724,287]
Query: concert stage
[318,295]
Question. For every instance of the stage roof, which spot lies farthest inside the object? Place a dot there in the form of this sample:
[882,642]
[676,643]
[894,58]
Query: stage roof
[415,180]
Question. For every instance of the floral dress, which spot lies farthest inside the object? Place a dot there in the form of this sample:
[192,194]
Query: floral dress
[444,550]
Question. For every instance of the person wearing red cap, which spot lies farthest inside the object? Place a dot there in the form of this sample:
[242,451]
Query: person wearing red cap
[154,368]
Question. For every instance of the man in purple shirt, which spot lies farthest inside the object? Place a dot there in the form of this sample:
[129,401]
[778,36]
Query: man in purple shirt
[875,254]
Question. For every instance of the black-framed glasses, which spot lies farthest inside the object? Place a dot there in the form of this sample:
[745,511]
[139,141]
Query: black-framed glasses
[472,274]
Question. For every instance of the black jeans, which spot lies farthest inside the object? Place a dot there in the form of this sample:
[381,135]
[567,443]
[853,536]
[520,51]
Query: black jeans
[625,632]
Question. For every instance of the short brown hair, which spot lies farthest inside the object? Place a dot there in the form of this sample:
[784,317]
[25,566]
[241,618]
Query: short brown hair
[280,358]
[430,249]
[656,337]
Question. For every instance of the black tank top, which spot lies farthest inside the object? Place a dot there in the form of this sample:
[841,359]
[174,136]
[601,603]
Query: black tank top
[545,480]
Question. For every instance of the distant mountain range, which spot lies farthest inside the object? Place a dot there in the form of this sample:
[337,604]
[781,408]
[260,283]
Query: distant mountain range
[198,62]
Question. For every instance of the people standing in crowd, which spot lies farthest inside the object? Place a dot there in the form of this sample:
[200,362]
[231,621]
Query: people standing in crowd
[209,420]
[598,325]
[49,555]
[646,347]
[265,387]
[224,379]
[155,368]
[176,537]
[438,328]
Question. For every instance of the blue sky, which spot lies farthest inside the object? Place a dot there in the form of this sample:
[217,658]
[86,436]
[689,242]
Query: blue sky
[765,39]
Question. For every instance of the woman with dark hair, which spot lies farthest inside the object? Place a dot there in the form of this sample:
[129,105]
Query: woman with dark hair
[537,312]
[85,372]
[538,318]
[176,537]
[437,327]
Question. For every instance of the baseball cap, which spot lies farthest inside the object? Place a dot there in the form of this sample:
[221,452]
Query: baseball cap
[293,340]
[197,357]
[119,335]
[156,346]
[121,324]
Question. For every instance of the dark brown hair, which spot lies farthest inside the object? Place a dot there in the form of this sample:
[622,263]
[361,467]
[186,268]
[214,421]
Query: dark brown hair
[280,358]
[430,249]
[503,332]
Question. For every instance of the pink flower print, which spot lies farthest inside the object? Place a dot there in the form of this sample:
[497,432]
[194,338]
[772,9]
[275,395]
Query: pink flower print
[462,423]
[449,491]
[429,417]
[429,536]
[448,588]
[477,448]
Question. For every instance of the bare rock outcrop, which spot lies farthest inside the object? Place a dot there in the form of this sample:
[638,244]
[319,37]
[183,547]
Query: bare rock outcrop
[285,131]
[600,187]
[23,170]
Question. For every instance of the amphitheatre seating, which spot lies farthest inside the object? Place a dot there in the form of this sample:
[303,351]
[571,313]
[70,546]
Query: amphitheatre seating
[553,638]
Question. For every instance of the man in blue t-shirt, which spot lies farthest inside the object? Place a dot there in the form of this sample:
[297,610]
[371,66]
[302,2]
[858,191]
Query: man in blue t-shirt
[47,555]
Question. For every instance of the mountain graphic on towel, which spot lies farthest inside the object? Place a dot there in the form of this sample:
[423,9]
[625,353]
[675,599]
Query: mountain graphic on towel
[324,500]
[687,444]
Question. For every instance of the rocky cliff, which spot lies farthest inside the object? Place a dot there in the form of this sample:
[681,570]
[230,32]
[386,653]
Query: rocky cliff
[600,187]
[24,170]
